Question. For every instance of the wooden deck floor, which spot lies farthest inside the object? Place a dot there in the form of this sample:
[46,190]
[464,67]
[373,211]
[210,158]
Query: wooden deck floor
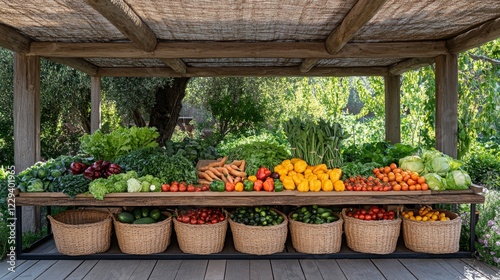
[439,269]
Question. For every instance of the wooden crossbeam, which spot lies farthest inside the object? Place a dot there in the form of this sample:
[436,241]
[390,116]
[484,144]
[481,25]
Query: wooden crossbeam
[357,17]
[244,72]
[176,64]
[13,40]
[239,50]
[78,64]
[475,37]
[127,21]
[410,64]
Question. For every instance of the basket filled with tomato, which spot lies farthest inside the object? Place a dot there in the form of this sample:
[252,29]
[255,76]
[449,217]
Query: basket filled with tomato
[268,226]
[431,231]
[201,231]
[374,230]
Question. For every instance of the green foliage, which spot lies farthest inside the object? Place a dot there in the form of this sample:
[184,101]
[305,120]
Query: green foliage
[488,229]
[483,165]
[383,153]
[258,150]
[119,142]
[191,149]
[155,161]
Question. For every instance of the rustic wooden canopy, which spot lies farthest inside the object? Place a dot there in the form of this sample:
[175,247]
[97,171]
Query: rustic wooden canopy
[245,38]
[194,38]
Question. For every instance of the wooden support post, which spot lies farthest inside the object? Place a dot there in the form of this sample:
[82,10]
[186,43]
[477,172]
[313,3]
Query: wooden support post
[447,104]
[392,108]
[27,124]
[95,101]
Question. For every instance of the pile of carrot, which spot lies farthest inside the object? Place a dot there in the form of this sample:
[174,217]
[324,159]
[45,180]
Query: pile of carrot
[221,170]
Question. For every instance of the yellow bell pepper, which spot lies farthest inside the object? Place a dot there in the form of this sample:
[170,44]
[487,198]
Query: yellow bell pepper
[307,172]
[294,160]
[252,178]
[310,167]
[314,185]
[289,166]
[297,178]
[300,166]
[303,186]
[339,186]
[286,162]
[335,174]
[280,169]
[311,176]
[288,183]
[291,173]
[323,176]
[320,167]
[238,187]
[327,186]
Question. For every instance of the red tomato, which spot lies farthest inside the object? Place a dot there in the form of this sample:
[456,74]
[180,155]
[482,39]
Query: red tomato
[368,217]
[182,188]
[362,217]
[193,221]
[185,219]
[201,221]
[174,188]
[197,190]
[222,217]
[174,183]
[190,188]
[380,216]
[165,187]
[363,211]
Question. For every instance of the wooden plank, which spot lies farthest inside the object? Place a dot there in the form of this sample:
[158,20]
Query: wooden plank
[237,270]
[37,269]
[310,269]
[78,64]
[191,269]
[475,37]
[330,269]
[244,72]
[410,64]
[487,270]
[357,17]
[106,269]
[392,108]
[143,270]
[4,266]
[286,269]
[359,269]
[20,269]
[165,269]
[127,21]
[467,271]
[95,104]
[366,193]
[239,50]
[392,269]
[252,201]
[215,270]
[260,269]
[429,269]
[176,64]
[60,269]
[447,104]
[81,271]
[11,39]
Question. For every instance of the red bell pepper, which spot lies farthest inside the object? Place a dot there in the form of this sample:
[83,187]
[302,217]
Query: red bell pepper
[263,173]
[257,185]
[269,184]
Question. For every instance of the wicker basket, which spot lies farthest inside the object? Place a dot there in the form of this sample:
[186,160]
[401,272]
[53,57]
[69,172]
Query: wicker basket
[316,238]
[81,232]
[201,239]
[141,239]
[259,240]
[441,237]
[374,237]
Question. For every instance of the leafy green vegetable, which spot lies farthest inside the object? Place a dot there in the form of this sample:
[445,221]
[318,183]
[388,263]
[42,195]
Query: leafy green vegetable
[155,162]
[457,180]
[133,185]
[191,149]
[35,185]
[439,165]
[435,182]
[113,184]
[382,153]
[71,185]
[412,163]
[119,142]
[352,169]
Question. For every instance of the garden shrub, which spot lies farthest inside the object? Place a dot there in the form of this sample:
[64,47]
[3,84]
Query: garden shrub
[483,165]
[488,229]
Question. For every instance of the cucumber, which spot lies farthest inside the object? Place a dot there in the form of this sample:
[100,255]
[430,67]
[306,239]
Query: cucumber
[137,213]
[155,214]
[125,217]
[146,220]
[145,212]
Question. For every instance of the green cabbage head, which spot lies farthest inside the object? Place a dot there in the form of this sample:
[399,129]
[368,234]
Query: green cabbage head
[458,180]
[435,182]
[412,163]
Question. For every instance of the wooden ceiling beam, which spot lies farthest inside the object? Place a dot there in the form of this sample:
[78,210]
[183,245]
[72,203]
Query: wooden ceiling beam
[78,64]
[475,37]
[410,64]
[176,64]
[13,40]
[244,72]
[358,16]
[239,50]
[118,13]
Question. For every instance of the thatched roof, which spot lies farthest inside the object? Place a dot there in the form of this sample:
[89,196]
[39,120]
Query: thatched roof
[203,37]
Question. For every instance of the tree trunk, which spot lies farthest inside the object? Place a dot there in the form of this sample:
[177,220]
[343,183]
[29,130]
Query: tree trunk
[138,119]
[168,105]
